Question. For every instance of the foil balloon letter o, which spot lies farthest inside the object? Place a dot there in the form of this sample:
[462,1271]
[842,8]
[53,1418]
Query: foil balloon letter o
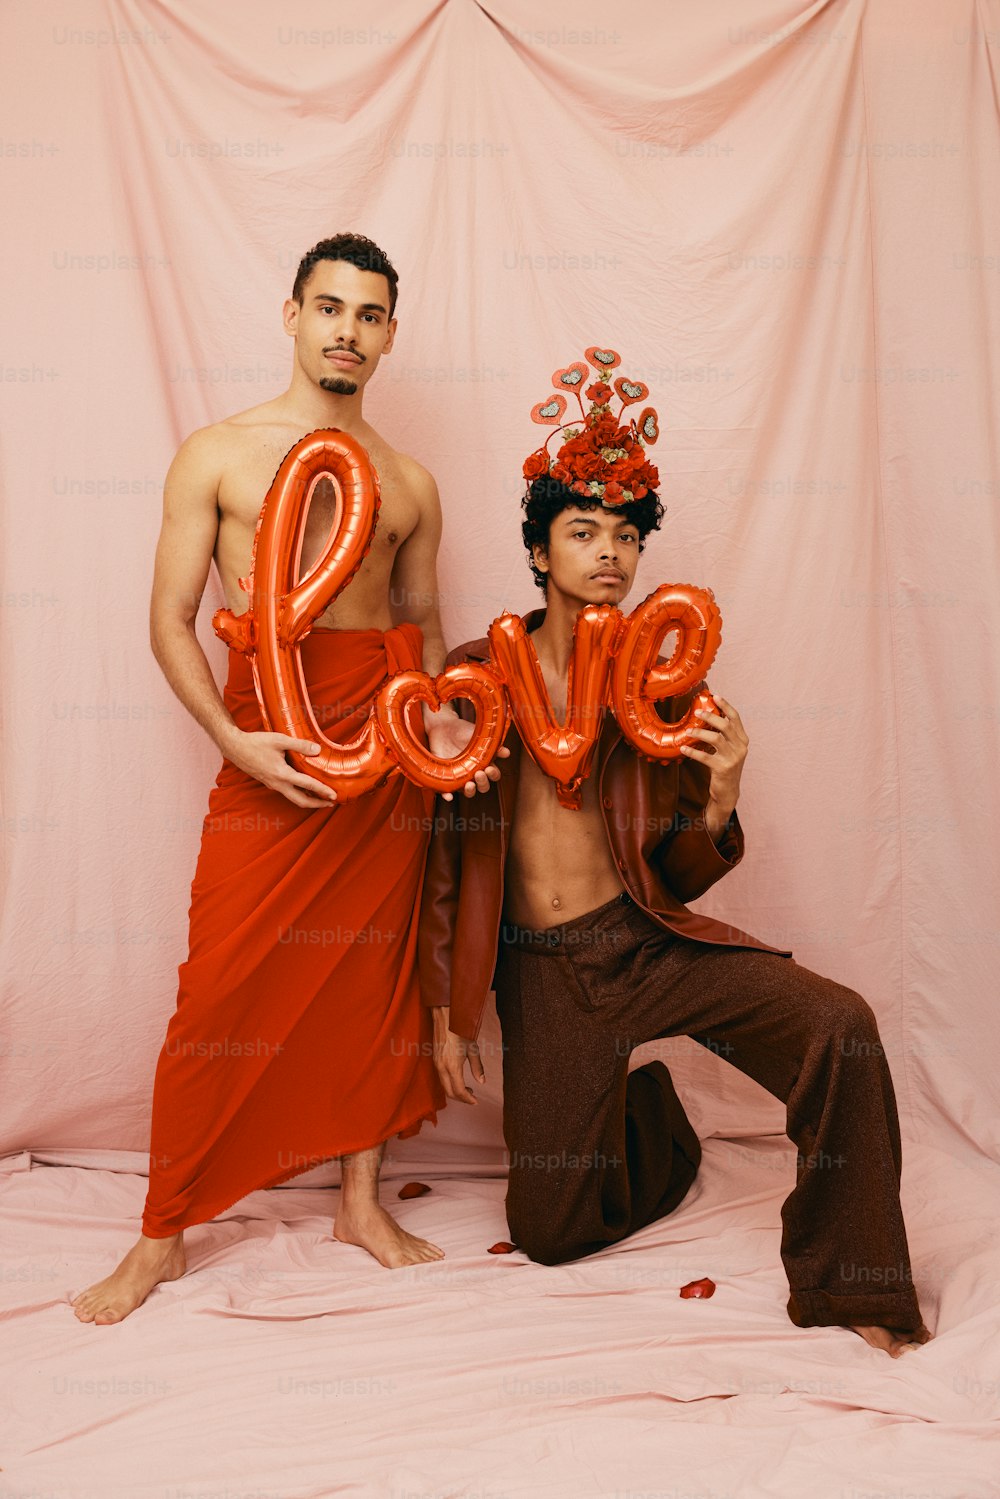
[407,689]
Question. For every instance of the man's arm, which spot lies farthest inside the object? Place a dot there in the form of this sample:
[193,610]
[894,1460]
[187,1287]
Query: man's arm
[707,840]
[723,749]
[183,556]
[436,944]
[415,594]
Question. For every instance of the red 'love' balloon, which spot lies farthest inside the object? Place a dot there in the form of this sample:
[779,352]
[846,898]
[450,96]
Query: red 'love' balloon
[614,661]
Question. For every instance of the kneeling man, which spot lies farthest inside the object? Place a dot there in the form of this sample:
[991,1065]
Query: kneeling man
[577,918]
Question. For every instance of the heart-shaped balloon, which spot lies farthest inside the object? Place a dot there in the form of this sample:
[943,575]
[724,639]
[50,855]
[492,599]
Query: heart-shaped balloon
[549,413]
[572,377]
[602,359]
[404,691]
[631,390]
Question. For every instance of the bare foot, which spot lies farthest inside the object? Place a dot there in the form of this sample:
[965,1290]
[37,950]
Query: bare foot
[372,1228]
[891,1342]
[147,1263]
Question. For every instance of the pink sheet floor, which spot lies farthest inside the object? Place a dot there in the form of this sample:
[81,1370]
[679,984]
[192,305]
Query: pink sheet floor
[287,1366]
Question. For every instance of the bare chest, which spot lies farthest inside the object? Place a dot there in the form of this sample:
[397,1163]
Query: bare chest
[245,484]
[562,832]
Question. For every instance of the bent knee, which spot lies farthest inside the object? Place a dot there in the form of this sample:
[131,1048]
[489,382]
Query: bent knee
[849,1018]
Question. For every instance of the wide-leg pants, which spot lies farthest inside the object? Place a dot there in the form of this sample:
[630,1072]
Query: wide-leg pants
[597,1153]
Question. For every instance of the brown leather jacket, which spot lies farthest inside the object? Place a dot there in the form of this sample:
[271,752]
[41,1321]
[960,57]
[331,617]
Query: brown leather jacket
[653,815]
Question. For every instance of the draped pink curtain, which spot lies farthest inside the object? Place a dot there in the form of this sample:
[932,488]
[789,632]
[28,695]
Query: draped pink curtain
[784,216]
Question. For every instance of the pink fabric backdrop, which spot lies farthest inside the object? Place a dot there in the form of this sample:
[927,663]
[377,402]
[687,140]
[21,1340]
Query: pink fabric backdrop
[781,215]
[785,216]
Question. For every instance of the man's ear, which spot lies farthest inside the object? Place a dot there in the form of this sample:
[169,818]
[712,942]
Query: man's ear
[540,556]
[290,316]
[390,335]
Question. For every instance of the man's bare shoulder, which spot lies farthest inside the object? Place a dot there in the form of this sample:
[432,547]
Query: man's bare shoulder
[417,480]
[218,447]
[244,428]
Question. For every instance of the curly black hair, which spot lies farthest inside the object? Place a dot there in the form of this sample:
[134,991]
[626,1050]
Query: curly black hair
[356,249]
[545,498]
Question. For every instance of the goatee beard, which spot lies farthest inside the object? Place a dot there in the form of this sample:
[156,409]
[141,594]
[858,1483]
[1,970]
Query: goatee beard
[337,385]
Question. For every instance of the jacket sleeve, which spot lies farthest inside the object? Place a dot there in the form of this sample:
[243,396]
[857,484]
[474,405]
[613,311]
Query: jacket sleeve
[439,907]
[688,858]
[439,898]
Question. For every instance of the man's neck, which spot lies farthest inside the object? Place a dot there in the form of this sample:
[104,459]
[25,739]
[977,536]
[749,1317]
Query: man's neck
[553,640]
[314,407]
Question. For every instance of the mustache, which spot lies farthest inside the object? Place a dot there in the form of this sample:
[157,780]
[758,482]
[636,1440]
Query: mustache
[354,353]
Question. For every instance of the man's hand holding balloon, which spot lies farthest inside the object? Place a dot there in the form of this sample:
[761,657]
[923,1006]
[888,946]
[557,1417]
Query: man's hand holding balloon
[726,746]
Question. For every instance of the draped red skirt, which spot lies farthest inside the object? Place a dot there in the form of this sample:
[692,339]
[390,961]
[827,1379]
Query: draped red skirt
[299,1034]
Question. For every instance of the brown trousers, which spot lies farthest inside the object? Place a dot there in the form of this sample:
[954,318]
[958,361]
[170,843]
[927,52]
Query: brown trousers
[597,1153]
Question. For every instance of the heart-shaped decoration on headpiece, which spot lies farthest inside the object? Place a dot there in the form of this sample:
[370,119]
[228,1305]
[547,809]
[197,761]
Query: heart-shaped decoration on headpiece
[649,426]
[603,359]
[631,391]
[549,413]
[572,377]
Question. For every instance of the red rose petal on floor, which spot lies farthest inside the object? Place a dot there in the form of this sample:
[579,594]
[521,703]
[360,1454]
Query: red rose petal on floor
[698,1289]
[413,1189]
[503,1247]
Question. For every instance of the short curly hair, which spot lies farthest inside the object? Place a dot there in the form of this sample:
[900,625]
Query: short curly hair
[545,498]
[356,249]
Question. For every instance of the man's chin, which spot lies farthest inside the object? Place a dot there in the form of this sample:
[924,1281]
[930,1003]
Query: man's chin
[606,593]
[337,385]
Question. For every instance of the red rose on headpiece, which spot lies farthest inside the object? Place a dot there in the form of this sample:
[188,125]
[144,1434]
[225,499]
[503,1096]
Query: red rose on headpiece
[598,392]
[613,492]
[589,466]
[536,464]
[604,430]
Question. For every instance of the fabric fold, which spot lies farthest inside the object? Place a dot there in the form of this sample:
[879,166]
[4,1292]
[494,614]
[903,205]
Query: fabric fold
[298,1034]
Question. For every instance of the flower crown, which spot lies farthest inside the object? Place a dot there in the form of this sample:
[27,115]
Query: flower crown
[603,457]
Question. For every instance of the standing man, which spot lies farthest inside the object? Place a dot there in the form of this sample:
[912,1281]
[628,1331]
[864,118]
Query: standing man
[299,1034]
[598,953]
